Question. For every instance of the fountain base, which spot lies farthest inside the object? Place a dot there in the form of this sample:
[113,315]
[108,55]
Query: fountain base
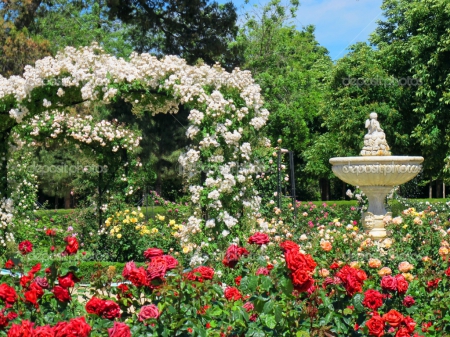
[374,225]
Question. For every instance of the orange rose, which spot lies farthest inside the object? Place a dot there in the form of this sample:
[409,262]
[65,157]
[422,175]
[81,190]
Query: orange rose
[385,271]
[443,251]
[324,272]
[326,246]
[408,276]
[405,266]
[374,263]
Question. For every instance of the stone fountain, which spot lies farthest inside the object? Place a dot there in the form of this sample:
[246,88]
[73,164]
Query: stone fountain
[376,172]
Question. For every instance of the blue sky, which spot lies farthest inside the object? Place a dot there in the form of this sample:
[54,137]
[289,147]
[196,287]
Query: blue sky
[339,23]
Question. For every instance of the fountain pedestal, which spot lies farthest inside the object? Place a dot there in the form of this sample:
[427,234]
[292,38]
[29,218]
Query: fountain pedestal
[373,218]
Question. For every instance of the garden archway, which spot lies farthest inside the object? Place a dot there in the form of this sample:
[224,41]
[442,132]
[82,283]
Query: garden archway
[226,115]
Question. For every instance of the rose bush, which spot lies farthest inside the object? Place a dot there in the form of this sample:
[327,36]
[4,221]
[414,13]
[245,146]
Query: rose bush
[291,287]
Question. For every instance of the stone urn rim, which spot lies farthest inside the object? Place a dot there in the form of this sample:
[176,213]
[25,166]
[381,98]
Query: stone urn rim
[375,160]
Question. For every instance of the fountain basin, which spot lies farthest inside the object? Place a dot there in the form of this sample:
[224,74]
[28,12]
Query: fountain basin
[376,176]
[376,170]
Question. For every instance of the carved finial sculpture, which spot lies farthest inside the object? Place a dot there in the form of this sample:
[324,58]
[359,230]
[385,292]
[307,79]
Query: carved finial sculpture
[375,143]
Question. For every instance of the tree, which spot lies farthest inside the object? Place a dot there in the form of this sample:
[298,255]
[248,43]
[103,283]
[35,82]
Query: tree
[414,42]
[191,29]
[290,66]
[357,85]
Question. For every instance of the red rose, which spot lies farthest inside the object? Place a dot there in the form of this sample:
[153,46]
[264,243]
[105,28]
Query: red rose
[408,301]
[233,254]
[433,284]
[296,260]
[8,294]
[409,323]
[148,311]
[259,238]
[301,280]
[393,317]
[11,316]
[95,306]
[75,327]
[110,310]
[25,329]
[129,266]
[35,268]
[9,264]
[25,279]
[31,297]
[372,299]
[43,331]
[375,326]
[289,246]
[447,272]
[334,265]
[151,252]
[66,281]
[119,330]
[50,232]
[232,293]
[3,321]
[200,274]
[138,277]
[352,279]
[402,284]
[25,247]
[124,291]
[39,291]
[72,245]
[157,268]
[389,283]
[171,262]
[61,294]
[403,332]
[237,280]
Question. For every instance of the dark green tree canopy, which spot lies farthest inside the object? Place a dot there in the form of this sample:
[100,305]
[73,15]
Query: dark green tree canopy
[191,29]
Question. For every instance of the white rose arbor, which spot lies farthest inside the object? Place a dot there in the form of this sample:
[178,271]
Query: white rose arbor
[376,172]
[226,113]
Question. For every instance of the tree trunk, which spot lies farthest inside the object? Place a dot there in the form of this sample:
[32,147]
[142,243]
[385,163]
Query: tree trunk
[438,189]
[67,200]
[443,190]
[344,189]
[324,189]
[430,189]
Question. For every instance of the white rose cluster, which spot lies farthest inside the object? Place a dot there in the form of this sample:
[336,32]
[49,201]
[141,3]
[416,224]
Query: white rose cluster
[225,117]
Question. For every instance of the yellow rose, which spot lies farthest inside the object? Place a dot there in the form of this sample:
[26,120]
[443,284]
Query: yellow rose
[138,227]
[154,230]
[119,236]
[405,226]
[161,217]
[134,213]
[172,222]
[141,215]
[133,220]
[111,232]
[127,211]
[185,250]
[355,228]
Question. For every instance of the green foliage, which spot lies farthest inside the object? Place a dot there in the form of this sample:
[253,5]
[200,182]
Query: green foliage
[290,66]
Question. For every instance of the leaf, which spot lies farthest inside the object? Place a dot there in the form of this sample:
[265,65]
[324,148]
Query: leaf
[268,307]
[269,321]
[357,302]
[302,334]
